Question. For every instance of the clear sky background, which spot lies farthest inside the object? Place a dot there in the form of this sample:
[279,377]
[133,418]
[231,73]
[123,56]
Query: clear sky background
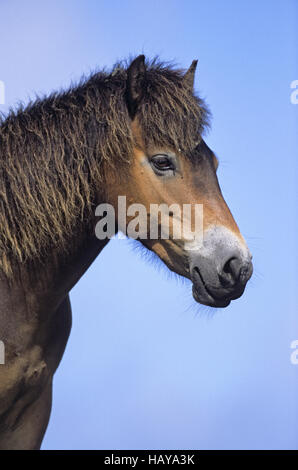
[145,368]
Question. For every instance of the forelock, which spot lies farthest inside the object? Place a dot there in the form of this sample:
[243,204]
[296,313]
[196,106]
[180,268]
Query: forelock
[170,114]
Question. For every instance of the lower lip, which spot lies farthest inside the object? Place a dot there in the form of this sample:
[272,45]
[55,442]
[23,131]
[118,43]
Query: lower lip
[208,300]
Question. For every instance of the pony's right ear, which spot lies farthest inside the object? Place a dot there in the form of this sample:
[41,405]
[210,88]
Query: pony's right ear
[136,73]
[189,76]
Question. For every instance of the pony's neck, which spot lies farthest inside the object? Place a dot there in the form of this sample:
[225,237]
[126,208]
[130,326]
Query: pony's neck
[51,280]
[73,268]
[52,156]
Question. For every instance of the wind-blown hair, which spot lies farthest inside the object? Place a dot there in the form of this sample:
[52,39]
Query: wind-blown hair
[55,154]
[171,115]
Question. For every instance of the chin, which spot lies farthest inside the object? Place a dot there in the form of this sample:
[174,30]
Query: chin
[209,301]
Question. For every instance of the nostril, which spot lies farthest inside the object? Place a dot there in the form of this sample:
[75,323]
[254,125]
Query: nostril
[230,272]
[234,267]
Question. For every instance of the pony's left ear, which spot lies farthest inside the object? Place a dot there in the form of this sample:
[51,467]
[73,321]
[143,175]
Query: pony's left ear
[189,77]
[136,74]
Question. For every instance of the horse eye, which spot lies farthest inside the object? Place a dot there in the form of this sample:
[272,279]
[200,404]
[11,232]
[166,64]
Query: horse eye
[162,163]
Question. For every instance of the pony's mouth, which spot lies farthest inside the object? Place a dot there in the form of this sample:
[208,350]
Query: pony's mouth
[207,299]
[203,295]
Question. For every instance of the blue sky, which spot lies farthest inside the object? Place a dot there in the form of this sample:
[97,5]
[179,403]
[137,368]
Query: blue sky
[144,366]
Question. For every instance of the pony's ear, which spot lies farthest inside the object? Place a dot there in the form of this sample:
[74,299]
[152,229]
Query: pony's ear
[189,77]
[135,84]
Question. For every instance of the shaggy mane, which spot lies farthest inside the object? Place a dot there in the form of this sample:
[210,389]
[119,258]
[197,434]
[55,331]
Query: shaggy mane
[55,154]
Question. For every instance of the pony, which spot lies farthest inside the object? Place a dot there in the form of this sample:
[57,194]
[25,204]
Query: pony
[136,131]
